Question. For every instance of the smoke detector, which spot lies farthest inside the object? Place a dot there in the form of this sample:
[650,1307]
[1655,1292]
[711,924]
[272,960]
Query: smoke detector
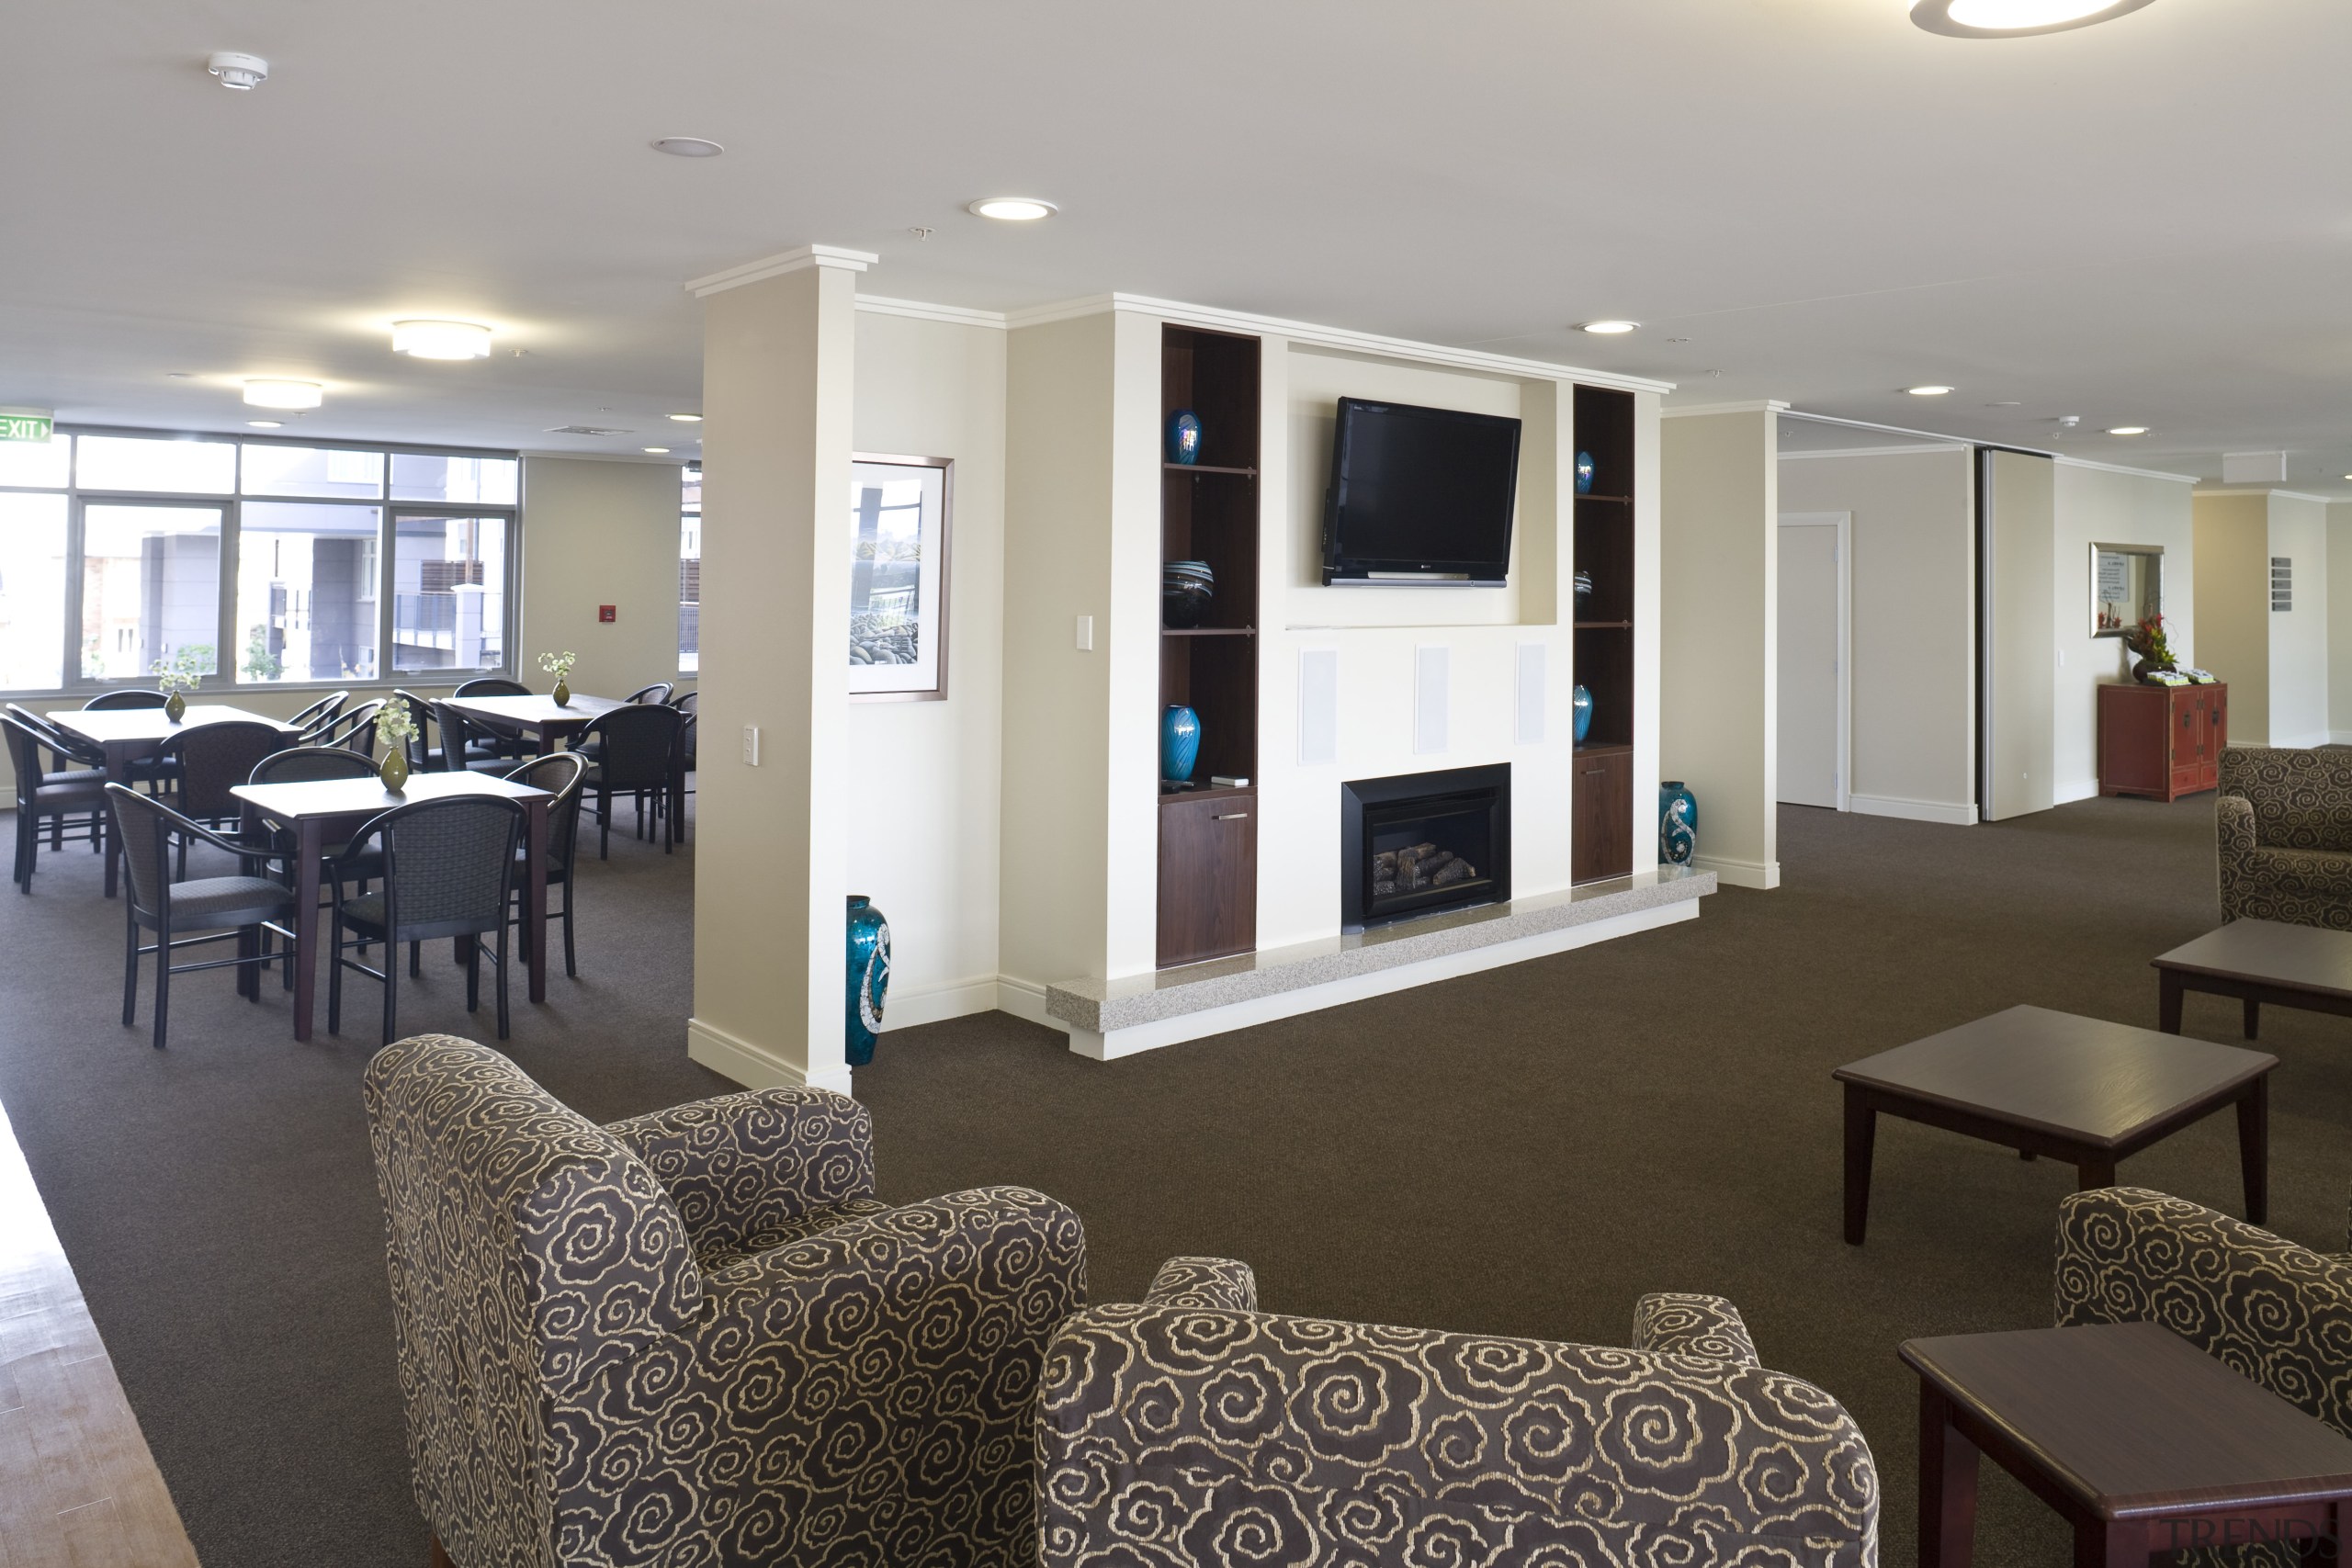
[238,73]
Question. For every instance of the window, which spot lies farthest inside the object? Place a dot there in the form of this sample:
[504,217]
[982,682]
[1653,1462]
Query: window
[690,573]
[114,547]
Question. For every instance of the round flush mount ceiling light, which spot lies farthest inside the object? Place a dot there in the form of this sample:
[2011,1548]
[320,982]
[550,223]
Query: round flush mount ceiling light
[2016,18]
[1012,209]
[1609,327]
[238,73]
[284,394]
[441,340]
[2129,430]
[1929,391]
[687,146]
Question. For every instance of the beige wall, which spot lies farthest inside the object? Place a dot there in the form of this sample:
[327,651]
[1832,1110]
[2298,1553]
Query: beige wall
[2102,506]
[924,821]
[2339,622]
[2298,642]
[1719,496]
[2021,502]
[599,533]
[2233,586]
[1914,720]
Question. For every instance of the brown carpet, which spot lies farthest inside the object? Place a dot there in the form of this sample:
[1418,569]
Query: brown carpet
[1521,1152]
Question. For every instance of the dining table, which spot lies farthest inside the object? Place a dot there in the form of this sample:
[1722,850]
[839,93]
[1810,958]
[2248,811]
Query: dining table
[324,811]
[130,735]
[538,716]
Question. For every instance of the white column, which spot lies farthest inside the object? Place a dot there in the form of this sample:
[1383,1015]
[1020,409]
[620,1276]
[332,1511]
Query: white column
[771,868]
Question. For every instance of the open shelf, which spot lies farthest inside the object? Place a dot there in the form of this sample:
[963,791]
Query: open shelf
[1602,810]
[1604,625]
[1208,468]
[1208,631]
[1611,500]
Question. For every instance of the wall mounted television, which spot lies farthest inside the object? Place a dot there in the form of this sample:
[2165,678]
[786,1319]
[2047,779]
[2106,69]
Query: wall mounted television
[1419,496]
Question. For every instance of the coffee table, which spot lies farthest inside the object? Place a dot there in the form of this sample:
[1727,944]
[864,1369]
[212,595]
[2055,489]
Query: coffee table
[2258,962]
[2141,1440]
[2080,1089]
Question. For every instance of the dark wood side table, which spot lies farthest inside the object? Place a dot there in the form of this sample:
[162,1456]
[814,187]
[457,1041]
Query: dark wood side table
[2081,1089]
[2258,962]
[2141,1440]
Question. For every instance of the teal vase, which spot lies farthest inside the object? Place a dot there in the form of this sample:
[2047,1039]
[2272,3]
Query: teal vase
[869,976]
[1179,743]
[1582,703]
[1678,823]
[1584,473]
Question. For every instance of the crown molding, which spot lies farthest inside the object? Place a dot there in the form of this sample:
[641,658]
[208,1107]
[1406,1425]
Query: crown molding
[799,260]
[655,460]
[1916,449]
[2265,490]
[922,310]
[1341,338]
[2070,462]
[1699,410]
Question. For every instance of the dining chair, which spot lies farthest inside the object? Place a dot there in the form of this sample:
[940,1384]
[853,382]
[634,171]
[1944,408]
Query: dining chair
[559,775]
[636,751]
[152,770]
[245,909]
[64,746]
[688,760]
[657,692]
[448,871]
[210,761]
[510,741]
[307,764]
[466,746]
[320,712]
[355,730]
[73,808]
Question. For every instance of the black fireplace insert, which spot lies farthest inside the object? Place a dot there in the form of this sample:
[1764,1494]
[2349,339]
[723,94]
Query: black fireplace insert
[1420,844]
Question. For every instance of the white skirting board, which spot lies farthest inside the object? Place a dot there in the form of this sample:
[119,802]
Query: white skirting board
[936,1004]
[754,1066]
[1150,1036]
[1740,872]
[2081,789]
[1945,812]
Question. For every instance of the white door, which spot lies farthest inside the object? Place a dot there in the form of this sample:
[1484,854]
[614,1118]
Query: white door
[1812,707]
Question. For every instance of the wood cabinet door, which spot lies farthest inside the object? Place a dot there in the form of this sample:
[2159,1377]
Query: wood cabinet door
[1208,877]
[1601,807]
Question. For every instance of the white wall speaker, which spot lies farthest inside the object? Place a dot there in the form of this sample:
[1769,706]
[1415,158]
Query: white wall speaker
[1319,707]
[1433,672]
[1531,694]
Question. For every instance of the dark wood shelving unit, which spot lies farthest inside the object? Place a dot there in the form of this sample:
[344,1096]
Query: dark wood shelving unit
[1208,512]
[1601,802]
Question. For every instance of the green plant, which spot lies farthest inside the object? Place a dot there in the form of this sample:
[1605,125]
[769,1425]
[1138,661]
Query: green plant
[558,664]
[260,664]
[2148,641]
[394,726]
[182,671]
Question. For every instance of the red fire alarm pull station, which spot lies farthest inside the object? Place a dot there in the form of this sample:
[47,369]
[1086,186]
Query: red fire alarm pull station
[607,613]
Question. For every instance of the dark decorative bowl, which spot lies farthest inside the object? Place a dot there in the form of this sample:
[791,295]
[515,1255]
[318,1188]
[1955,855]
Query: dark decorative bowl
[1185,605]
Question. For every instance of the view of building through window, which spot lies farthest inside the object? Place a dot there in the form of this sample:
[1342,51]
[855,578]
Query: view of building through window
[113,547]
[690,573]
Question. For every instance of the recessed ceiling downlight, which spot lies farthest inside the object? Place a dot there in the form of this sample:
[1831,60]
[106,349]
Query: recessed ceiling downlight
[2016,18]
[266,423]
[688,418]
[284,394]
[1012,209]
[659,451]
[2129,430]
[441,340]
[1609,326]
[687,146]
[1929,391]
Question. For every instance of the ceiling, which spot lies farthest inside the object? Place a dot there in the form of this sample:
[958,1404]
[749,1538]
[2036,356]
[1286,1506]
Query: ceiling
[2146,222]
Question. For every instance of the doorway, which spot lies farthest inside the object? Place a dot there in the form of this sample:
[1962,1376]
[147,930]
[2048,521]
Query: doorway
[1815,749]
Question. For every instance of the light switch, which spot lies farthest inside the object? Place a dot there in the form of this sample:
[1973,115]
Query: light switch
[752,745]
[1086,634]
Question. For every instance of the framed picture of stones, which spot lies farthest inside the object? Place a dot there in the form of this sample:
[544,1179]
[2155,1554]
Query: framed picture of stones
[897,594]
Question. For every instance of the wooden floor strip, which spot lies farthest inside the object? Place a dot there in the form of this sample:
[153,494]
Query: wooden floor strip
[78,1487]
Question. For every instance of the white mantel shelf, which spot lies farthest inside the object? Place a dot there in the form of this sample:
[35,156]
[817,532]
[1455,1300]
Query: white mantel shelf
[1108,1019]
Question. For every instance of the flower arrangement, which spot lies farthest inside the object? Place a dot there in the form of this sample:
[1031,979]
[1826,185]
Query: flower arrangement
[557,665]
[2147,642]
[180,672]
[395,726]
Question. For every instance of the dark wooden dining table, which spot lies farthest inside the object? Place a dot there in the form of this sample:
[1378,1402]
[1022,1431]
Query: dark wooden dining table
[537,715]
[324,811]
[127,735]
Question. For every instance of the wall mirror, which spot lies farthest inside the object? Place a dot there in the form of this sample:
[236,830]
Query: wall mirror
[2127,587]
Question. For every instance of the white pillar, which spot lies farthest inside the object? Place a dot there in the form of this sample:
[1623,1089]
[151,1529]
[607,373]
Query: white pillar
[771,863]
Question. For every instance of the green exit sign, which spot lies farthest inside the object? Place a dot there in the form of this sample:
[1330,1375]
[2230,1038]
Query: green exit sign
[25,424]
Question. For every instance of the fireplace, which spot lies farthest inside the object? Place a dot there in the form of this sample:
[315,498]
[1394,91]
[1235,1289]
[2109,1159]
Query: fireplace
[1420,843]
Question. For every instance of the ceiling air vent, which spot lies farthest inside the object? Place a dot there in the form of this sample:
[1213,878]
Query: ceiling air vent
[583,430]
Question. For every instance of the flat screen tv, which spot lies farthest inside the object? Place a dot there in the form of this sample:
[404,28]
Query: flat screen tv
[1419,496]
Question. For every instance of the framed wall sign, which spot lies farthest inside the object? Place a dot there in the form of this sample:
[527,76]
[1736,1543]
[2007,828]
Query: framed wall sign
[2127,587]
[897,592]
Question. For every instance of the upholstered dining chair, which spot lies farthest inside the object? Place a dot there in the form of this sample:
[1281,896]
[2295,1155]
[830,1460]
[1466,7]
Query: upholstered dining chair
[240,907]
[632,750]
[448,869]
[1195,1428]
[149,770]
[320,712]
[2283,820]
[509,740]
[561,777]
[695,1336]
[355,730]
[71,803]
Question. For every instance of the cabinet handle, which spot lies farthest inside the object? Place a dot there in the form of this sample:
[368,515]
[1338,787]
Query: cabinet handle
[1233,816]
[1594,773]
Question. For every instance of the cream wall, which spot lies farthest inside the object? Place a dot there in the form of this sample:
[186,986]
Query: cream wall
[600,532]
[2020,647]
[1718,732]
[2104,506]
[2233,586]
[1913,595]
[926,788]
[2339,615]
[2299,642]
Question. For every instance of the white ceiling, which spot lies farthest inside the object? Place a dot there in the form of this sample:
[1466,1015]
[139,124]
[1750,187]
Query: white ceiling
[2146,223]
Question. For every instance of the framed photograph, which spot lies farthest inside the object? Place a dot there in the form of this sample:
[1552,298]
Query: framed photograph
[897,589]
[2127,587]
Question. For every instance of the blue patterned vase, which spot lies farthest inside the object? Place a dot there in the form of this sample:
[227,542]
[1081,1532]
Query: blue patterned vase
[1584,596]
[1184,437]
[1678,823]
[1583,704]
[1180,742]
[869,976]
[1584,473]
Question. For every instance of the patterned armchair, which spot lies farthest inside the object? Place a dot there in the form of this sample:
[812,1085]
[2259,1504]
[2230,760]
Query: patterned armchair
[1195,1431]
[694,1337]
[2278,1312]
[2284,822]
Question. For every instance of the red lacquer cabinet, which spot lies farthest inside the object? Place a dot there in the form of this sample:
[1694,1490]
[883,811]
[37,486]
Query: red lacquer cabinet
[2160,742]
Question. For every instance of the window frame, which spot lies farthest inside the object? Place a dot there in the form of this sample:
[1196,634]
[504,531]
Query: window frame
[230,503]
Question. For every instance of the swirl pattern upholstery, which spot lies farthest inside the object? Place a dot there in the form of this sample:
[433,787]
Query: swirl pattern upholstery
[1176,1435]
[2283,824]
[694,1337]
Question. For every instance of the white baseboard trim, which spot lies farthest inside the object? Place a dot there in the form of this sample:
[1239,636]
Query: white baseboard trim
[1740,872]
[1025,999]
[936,1004]
[2081,789]
[755,1067]
[1140,1037]
[2308,742]
[1942,811]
